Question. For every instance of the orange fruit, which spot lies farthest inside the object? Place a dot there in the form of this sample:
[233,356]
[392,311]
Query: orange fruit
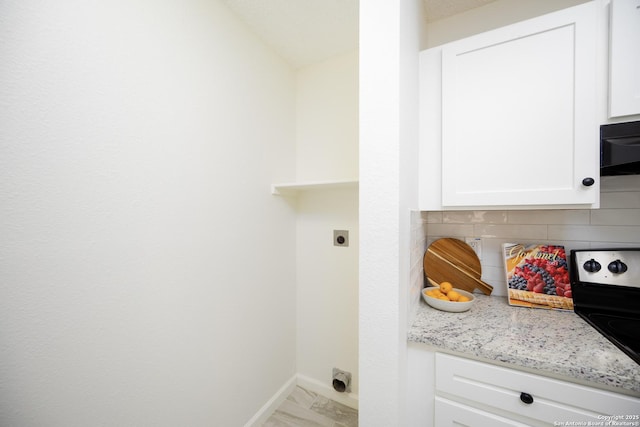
[445,287]
[463,298]
[436,292]
[453,295]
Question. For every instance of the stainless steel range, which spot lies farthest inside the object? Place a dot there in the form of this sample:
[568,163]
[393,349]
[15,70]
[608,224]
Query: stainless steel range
[606,293]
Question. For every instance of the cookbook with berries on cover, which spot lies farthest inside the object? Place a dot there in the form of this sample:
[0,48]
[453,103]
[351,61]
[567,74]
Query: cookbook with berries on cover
[537,276]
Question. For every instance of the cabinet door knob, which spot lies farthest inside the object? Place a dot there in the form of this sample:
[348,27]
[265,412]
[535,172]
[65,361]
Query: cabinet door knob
[526,398]
[588,182]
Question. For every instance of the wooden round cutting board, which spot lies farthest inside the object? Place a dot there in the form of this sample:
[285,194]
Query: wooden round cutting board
[452,260]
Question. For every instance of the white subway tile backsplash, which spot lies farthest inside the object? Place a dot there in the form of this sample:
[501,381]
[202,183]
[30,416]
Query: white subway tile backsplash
[615,217]
[595,233]
[485,217]
[606,245]
[514,231]
[418,241]
[616,224]
[495,276]
[451,230]
[434,217]
[620,200]
[492,251]
[549,217]
[619,183]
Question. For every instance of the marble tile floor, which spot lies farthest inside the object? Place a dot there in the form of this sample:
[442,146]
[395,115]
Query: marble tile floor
[303,408]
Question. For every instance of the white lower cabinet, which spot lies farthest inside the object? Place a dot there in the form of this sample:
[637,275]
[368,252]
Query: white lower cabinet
[457,391]
[450,413]
[505,392]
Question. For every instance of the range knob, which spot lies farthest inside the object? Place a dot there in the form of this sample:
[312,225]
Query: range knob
[617,267]
[592,266]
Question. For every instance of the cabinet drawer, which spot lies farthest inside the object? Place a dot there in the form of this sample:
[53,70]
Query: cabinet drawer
[501,388]
[450,413]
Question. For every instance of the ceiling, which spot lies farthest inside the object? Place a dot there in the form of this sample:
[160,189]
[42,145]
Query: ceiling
[308,31]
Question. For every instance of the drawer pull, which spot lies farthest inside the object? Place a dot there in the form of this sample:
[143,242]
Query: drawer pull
[526,398]
[588,182]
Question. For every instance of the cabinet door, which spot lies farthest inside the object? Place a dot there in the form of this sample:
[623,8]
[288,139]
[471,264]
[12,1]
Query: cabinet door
[497,388]
[450,413]
[519,124]
[624,84]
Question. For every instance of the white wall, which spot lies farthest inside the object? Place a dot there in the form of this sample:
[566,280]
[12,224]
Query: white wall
[390,33]
[327,276]
[145,270]
[327,120]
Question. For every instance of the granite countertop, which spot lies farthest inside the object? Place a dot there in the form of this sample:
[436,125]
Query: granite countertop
[548,342]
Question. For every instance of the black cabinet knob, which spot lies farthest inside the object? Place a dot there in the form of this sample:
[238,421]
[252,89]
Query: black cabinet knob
[592,266]
[588,182]
[526,398]
[617,267]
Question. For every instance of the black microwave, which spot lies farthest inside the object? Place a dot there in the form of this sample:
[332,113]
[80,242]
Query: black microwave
[620,149]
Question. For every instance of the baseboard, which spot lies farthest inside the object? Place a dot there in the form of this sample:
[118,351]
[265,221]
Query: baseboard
[348,399]
[272,404]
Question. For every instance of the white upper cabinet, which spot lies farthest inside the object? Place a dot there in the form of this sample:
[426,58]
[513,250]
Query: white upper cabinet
[509,117]
[624,51]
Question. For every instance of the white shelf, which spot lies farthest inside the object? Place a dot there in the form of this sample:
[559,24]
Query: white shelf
[293,188]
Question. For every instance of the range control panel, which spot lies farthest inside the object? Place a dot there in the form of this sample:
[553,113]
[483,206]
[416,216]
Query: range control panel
[619,267]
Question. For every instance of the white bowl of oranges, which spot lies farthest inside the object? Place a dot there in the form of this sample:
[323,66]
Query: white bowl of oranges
[447,298]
